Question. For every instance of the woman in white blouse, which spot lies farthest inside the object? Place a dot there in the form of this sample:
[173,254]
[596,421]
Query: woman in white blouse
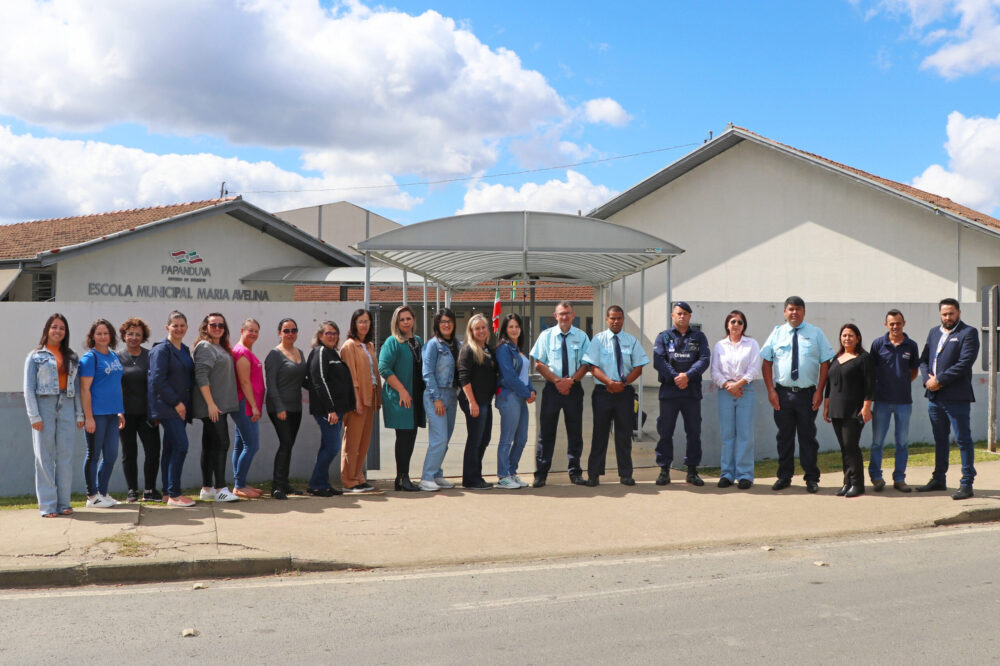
[735,366]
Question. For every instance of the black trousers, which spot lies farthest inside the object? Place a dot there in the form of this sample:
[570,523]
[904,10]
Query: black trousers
[849,435]
[479,430]
[286,431]
[571,406]
[617,408]
[796,417]
[405,439]
[139,425]
[214,452]
[666,422]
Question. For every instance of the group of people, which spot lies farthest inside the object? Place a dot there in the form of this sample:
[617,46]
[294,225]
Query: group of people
[135,393]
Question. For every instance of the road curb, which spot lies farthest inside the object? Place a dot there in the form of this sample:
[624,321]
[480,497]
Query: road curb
[987,514]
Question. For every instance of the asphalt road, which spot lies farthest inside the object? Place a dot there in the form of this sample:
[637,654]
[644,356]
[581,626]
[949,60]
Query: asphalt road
[916,597]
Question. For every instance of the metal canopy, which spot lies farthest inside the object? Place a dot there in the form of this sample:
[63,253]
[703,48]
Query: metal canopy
[383,275]
[463,251]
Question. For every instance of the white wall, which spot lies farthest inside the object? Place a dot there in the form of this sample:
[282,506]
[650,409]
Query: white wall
[343,223]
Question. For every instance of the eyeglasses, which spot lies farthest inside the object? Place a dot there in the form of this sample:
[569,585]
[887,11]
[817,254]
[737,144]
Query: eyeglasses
[331,334]
[211,325]
[736,322]
[286,331]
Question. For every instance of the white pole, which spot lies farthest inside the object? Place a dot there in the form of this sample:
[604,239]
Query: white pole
[406,290]
[425,308]
[368,266]
[642,333]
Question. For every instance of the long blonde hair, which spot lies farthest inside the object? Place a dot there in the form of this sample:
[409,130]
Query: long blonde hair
[477,349]
[394,323]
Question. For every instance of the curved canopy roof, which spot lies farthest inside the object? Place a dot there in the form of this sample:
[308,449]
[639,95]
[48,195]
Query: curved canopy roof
[466,250]
[323,275]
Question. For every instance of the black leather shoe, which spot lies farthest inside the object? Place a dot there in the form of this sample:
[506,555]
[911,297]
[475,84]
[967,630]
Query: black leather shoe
[664,477]
[627,481]
[744,484]
[878,485]
[854,491]
[781,484]
[902,487]
[407,486]
[478,485]
[539,482]
[963,492]
[320,492]
[593,481]
[577,480]
[724,483]
[279,495]
[812,487]
[692,476]
[843,490]
[933,484]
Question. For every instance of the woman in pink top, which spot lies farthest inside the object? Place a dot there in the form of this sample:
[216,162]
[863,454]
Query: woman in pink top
[250,389]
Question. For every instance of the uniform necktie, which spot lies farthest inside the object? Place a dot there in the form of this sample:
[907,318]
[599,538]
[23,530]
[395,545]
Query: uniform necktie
[795,354]
[565,356]
[618,359]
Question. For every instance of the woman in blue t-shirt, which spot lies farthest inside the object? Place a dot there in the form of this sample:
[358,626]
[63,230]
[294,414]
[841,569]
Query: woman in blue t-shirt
[101,397]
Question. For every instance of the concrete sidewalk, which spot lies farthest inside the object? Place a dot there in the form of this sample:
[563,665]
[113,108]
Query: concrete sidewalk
[455,526]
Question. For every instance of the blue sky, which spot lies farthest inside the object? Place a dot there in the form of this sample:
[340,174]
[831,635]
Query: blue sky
[124,104]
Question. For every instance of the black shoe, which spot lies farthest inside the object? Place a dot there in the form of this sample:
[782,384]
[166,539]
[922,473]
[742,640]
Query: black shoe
[843,490]
[933,484]
[334,492]
[664,477]
[132,497]
[478,485]
[577,479]
[812,486]
[539,482]
[878,485]
[293,491]
[744,484]
[781,484]
[627,481]
[406,485]
[320,492]
[854,491]
[963,492]
[724,483]
[279,495]
[593,481]
[692,476]
[153,495]
[901,486]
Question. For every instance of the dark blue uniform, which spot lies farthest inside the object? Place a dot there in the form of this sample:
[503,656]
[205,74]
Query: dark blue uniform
[673,354]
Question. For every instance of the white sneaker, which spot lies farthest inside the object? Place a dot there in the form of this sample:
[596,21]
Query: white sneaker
[223,495]
[429,486]
[443,482]
[99,502]
[207,495]
[509,483]
[519,481]
[111,501]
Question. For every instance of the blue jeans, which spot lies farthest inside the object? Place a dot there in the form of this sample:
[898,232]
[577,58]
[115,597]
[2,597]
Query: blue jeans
[947,416]
[53,448]
[175,448]
[736,432]
[513,432]
[329,447]
[102,443]
[439,430]
[246,438]
[881,413]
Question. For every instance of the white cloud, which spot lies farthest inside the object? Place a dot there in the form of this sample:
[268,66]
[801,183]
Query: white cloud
[966,32]
[605,110]
[972,177]
[576,193]
[41,175]
[420,94]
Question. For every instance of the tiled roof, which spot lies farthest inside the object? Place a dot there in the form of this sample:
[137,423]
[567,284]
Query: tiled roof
[26,240]
[943,203]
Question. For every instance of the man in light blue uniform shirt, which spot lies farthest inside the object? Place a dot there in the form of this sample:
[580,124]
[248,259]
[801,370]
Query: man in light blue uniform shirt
[558,355]
[616,360]
[796,359]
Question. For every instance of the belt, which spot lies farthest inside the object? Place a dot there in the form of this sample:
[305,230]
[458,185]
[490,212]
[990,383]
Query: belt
[796,389]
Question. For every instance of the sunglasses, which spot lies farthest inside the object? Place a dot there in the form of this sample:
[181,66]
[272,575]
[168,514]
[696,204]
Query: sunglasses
[736,322]
[216,325]
[286,331]
[331,334]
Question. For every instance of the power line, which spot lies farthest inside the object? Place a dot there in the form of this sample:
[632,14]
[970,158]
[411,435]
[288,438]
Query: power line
[466,178]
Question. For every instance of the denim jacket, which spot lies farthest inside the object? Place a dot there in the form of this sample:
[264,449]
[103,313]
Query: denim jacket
[510,361]
[41,377]
[438,370]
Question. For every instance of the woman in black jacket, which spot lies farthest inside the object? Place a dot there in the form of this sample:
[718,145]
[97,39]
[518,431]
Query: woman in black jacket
[850,389]
[477,375]
[331,395]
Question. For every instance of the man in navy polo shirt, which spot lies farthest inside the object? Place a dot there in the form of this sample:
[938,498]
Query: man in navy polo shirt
[897,360]
[681,356]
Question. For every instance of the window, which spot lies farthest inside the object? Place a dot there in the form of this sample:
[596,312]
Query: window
[43,286]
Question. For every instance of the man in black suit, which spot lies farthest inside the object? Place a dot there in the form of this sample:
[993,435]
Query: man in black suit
[946,368]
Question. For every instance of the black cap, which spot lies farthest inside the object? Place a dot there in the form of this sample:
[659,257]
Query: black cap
[683,306]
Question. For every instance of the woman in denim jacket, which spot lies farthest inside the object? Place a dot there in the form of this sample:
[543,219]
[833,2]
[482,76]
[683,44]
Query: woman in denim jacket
[440,371]
[52,397]
[512,401]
